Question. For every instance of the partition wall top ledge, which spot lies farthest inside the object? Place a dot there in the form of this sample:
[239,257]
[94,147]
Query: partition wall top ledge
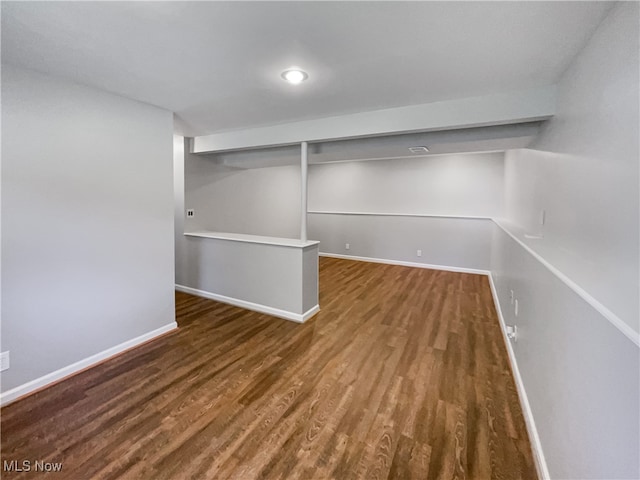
[246,238]
[489,110]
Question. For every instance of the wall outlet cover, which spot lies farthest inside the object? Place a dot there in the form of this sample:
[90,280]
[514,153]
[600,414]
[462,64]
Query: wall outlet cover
[512,332]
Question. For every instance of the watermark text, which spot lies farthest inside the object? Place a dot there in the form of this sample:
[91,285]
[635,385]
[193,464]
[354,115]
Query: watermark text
[30,466]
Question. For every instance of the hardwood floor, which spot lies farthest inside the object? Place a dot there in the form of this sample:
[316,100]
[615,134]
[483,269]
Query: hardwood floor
[403,374]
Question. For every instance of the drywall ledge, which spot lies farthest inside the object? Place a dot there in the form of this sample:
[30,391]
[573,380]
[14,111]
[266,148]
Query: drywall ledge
[498,109]
[75,368]
[616,321]
[420,215]
[241,237]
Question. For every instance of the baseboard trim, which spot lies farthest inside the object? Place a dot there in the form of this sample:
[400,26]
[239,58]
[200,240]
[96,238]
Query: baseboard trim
[46,380]
[536,445]
[406,264]
[310,313]
[256,307]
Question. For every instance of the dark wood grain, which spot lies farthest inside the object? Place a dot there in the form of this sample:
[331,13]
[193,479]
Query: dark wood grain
[403,374]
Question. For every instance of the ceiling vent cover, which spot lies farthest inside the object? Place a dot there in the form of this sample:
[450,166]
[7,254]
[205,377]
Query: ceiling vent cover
[418,149]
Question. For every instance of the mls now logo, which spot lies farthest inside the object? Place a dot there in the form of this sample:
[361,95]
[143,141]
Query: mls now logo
[29,466]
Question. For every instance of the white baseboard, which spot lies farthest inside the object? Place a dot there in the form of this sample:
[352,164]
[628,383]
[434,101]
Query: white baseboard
[406,264]
[310,313]
[256,307]
[536,445]
[29,387]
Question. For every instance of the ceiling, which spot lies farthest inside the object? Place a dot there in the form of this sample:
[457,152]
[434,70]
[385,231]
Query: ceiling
[217,65]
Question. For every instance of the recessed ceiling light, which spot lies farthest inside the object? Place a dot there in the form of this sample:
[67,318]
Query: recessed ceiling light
[418,149]
[294,76]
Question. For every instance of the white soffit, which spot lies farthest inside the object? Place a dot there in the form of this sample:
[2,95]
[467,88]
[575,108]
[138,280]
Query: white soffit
[469,140]
[501,109]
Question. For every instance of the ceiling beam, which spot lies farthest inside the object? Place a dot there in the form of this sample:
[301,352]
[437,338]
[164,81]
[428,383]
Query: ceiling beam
[497,109]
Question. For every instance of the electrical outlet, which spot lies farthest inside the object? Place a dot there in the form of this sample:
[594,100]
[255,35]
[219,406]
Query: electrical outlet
[511,296]
[191,213]
[512,332]
[347,246]
[516,308]
[4,361]
[419,253]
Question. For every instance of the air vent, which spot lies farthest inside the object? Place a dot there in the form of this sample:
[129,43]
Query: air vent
[418,149]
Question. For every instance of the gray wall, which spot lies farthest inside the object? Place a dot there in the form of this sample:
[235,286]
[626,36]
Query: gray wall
[584,170]
[463,184]
[448,242]
[255,201]
[266,275]
[87,240]
[457,185]
[580,372]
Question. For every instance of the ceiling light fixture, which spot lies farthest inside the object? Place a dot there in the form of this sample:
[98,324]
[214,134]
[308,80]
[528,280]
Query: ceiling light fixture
[418,149]
[294,76]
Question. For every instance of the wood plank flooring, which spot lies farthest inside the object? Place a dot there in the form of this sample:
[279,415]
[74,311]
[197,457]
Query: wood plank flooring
[403,374]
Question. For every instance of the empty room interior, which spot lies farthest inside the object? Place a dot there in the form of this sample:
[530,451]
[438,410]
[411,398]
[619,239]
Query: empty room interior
[320,240]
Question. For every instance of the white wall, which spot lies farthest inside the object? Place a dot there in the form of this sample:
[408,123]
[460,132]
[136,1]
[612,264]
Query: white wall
[255,201]
[584,170]
[464,184]
[591,229]
[87,246]
[273,279]
[446,242]
[580,372]
[456,185]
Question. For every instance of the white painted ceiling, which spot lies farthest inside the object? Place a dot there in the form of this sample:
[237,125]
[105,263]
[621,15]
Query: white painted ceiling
[217,65]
